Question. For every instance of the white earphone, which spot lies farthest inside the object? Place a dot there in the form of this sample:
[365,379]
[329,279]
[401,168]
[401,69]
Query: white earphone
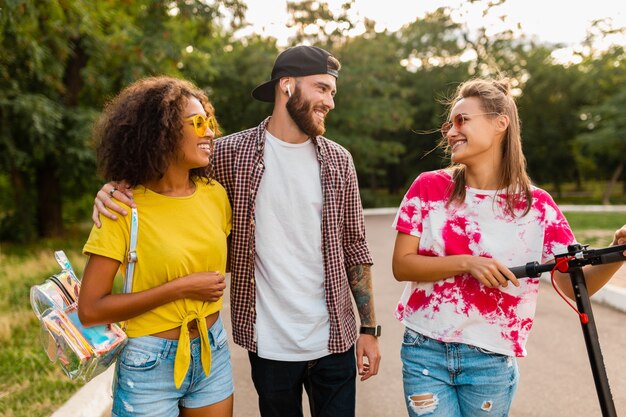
[288,90]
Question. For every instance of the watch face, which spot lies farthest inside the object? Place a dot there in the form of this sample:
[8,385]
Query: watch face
[374,331]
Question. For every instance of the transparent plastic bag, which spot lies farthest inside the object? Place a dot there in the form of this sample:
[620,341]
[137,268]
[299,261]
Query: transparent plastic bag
[82,352]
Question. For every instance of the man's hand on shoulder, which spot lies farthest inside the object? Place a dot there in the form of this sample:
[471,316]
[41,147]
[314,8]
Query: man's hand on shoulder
[105,203]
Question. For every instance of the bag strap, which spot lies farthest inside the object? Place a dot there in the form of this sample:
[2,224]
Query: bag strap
[63,261]
[132,252]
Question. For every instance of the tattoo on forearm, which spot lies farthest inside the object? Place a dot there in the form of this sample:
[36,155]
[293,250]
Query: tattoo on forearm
[360,279]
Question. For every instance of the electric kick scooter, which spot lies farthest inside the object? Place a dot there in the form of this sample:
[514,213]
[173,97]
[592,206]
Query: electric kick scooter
[572,263]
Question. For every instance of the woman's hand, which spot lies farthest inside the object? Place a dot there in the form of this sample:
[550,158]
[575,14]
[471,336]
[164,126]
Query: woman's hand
[619,238]
[409,266]
[490,272]
[596,276]
[97,304]
[105,200]
[203,286]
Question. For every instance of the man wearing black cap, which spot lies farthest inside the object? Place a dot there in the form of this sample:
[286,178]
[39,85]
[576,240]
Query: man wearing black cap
[298,250]
[298,246]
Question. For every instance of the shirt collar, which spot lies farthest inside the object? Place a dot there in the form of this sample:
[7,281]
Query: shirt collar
[260,139]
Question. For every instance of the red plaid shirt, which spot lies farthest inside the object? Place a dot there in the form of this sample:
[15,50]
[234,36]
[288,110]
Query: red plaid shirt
[238,162]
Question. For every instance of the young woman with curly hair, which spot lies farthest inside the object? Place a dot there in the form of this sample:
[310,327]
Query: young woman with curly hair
[157,134]
[458,230]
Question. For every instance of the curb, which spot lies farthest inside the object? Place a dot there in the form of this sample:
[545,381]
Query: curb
[380,211]
[94,399]
[612,296]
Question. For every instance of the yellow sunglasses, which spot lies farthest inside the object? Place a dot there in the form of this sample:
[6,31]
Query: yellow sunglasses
[202,123]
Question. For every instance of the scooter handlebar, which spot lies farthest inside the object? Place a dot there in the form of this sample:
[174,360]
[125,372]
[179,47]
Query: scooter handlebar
[593,256]
[612,257]
[530,270]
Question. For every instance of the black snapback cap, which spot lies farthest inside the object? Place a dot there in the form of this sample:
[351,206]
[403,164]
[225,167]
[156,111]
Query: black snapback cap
[298,61]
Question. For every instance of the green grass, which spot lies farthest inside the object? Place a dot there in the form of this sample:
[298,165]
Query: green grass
[580,221]
[595,229]
[30,385]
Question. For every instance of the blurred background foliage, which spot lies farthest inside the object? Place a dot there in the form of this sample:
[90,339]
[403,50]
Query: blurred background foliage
[63,59]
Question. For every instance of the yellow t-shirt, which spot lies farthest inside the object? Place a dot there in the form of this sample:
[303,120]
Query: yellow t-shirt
[176,237]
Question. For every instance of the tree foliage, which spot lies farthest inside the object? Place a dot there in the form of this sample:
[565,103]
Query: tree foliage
[62,60]
[316,23]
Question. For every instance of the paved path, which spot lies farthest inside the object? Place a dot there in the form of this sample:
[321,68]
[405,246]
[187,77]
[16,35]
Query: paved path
[556,378]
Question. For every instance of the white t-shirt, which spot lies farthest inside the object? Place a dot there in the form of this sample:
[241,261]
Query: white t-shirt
[292,318]
[460,309]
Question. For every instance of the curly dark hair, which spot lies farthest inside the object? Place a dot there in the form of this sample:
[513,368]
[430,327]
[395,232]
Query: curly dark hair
[140,130]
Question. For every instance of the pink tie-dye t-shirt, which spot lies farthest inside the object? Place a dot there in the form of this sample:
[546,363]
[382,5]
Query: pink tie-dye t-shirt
[460,309]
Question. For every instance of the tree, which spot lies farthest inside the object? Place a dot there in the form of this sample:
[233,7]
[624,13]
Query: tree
[317,24]
[605,137]
[430,51]
[61,60]
[242,66]
[39,104]
[371,105]
[551,95]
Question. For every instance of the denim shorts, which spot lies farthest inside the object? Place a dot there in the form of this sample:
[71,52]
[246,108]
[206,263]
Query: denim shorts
[144,382]
[455,379]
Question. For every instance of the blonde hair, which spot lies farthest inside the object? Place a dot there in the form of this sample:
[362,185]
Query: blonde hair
[495,97]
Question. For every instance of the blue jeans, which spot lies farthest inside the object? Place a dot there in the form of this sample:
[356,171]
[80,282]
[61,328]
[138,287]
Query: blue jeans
[455,379]
[329,382]
[144,383]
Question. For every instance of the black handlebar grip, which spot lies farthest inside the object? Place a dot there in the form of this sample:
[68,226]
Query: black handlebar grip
[612,257]
[519,271]
[530,270]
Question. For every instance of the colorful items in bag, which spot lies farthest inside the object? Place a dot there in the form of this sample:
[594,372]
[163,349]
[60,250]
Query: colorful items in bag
[83,352]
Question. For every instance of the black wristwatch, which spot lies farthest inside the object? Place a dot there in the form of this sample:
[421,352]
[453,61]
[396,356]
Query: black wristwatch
[374,331]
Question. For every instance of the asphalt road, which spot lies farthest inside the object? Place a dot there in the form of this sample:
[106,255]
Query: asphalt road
[556,378]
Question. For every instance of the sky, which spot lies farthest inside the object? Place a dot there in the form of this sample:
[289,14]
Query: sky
[553,21]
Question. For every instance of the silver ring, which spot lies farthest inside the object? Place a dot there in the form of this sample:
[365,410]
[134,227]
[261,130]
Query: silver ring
[111,191]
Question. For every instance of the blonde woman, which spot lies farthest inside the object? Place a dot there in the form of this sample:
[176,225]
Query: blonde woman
[466,316]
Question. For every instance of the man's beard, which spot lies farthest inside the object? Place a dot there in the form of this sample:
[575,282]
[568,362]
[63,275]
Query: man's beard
[301,112]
